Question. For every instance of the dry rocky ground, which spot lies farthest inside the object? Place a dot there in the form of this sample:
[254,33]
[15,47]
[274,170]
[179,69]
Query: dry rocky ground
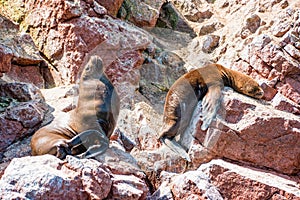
[251,150]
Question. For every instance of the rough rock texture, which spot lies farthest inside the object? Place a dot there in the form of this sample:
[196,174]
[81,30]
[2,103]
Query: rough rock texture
[245,182]
[19,53]
[218,180]
[141,13]
[65,32]
[258,38]
[258,134]
[47,177]
[112,6]
[22,112]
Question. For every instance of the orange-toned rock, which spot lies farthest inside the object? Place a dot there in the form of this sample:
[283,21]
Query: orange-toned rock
[112,6]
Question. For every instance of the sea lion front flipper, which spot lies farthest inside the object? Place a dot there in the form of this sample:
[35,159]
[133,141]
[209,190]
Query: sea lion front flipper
[175,147]
[93,141]
[62,149]
[210,105]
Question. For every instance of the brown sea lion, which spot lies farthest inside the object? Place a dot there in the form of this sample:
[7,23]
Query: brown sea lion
[203,83]
[85,130]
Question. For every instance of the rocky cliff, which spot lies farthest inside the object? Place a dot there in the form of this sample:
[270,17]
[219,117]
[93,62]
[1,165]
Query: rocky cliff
[251,150]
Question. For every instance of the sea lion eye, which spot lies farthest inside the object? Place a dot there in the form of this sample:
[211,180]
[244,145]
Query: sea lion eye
[252,90]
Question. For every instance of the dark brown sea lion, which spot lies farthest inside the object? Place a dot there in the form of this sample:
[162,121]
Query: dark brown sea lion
[85,130]
[203,83]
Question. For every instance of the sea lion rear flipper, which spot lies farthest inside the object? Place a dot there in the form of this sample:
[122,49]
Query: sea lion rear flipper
[95,142]
[175,147]
[210,105]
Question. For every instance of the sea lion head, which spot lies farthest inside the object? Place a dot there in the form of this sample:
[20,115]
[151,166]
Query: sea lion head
[250,88]
[93,69]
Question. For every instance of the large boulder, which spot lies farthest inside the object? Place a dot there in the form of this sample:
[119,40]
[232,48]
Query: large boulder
[23,109]
[47,177]
[218,180]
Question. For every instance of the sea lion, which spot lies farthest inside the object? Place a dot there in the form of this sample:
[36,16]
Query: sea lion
[84,131]
[204,83]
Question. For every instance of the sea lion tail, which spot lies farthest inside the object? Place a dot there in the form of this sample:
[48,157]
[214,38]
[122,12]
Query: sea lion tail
[176,148]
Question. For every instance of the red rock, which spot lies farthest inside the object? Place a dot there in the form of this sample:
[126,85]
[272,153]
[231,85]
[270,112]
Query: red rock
[282,103]
[24,115]
[275,57]
[5,61]
[71,32]
[54,178]
[111,6]
[116,176]
[243,182]
[120,70]
[269,92]
[142,13]
[8,131]
[20,121]
[290,89]
[20,91]
[26,74]
[15,47]
[281,28]
[199,16]
[278,66]
[209,28]
[253,23]
[292,51]
[263,137]
[29,114]
[260,66]
[261,41]
[253,132]
[120,162]
[235,110]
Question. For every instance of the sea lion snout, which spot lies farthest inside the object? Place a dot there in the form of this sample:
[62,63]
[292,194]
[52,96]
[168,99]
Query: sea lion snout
[260,94]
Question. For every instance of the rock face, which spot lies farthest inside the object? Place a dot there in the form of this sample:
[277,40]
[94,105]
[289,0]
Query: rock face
[65,32]
[22,112]
[258,38]
[71,179]
[19,56]
[258,134]
[141,13]
[220,180]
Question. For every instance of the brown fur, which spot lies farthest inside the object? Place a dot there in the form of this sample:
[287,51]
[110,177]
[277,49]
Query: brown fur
[91,123]
[204,83]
